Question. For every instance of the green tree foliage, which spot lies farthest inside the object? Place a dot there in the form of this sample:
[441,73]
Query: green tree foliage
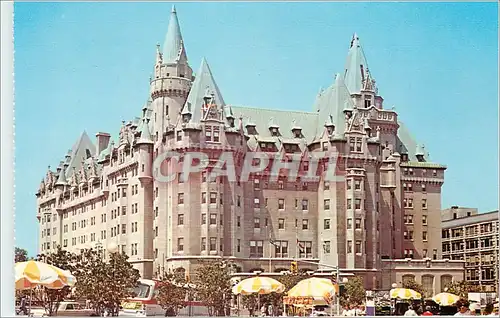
[21,255]
[412,284]
[354,292]
[462,289]
[105,284]
[64,260]
[172,291]
[213,286]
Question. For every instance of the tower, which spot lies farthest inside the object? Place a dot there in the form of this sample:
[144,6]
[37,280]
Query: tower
[171,83]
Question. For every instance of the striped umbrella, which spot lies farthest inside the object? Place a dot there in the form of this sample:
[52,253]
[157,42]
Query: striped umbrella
[32,273]
[314,287]
[445,299]
[258,285]
[404,293]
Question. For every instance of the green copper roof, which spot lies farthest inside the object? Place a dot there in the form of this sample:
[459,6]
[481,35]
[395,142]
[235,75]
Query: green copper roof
[146,137]
[80,151]
[173,48]
[203,85]
[332,102]
[355,66]
[417,164]
[405,143]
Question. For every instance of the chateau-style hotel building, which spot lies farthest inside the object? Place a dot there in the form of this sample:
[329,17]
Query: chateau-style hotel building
[385,211]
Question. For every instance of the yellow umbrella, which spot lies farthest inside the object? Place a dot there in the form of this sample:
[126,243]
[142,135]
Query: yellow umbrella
[32,273]
[314,287]
[445,299]
[404,293]
[258,285]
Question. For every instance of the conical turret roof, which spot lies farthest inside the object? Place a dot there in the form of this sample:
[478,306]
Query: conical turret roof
[173,48]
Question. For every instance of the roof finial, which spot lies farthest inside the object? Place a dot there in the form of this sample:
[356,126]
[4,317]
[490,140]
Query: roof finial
[173,9]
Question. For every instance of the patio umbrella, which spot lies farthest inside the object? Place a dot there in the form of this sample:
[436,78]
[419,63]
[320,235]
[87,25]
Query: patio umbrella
[445,299]
[314,287]
[404,293]
[258,285]
[32,273]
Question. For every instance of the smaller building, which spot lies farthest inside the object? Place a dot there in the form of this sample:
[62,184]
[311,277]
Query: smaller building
[473,238]
[434,275]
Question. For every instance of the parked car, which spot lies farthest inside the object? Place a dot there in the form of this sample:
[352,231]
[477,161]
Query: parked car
[68,309]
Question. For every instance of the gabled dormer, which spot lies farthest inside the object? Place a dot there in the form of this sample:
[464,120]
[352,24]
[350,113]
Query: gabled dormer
[420,153]
[274,128]
[329,125]
[251,127]
[296,130]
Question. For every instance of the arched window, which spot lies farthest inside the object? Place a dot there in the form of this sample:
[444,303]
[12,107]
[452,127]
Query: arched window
[445,281]
[428,285]
[408,278]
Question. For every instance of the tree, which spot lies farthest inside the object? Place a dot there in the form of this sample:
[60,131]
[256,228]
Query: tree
[21,255]
[354,292]
[64,260]
[213,283]
[412,284]
[172,291]
[105,285]
[462,289]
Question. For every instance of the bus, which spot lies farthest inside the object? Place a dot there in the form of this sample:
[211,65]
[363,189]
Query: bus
[145,303]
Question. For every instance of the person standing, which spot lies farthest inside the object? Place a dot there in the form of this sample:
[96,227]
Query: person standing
[410,312]
[488,310]
[463,309]
[427,311]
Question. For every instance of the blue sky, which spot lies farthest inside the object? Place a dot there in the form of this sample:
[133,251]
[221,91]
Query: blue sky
[86,66]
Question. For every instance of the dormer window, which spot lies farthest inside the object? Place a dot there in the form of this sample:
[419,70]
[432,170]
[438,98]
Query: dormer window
[179,135]
[274,131]
[216,136]
[186,118]
[297,133]
[231,122]
[368,101]
[404,157]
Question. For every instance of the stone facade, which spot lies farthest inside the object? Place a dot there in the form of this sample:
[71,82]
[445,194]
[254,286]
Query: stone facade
[474,239]
[381,210]
[434,275]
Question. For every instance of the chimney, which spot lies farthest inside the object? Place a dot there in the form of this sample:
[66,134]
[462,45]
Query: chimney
[102,141]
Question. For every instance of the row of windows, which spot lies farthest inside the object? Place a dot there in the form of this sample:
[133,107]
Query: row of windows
[423,172]
[408,219]
[408,235]
[408,203]
[408,187]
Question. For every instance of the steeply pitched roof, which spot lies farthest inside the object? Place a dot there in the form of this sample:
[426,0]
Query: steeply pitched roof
[332,102]
[173,48]
[355,67]
[203,84]
[81,150]
[405,143]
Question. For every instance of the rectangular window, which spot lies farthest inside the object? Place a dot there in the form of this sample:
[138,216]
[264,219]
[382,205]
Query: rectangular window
[216,134]
[256,248]
[213,244]
[256,223]
[349,204]
[349,247]
[424,219]
[358,223]
[238,221]
[203,243]
[281,224]
[305,224]
[424,235]
[256,203]
[180,198]
[357,184]
[326,185]
[213,219]
[203,218]
[424,203]
[424,187]
[281,204]
[305,205]
[180,244]
[357,204]
[213,197]
[180,219]
[326,224]
[256,184]
[326,204]
[203,197]
[358,247]
[349,223]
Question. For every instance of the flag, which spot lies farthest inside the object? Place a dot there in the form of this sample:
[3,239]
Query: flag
[300,245]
